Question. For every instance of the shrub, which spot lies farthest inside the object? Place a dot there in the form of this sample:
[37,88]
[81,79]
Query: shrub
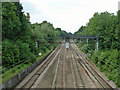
[85,48]
[107,61]
[33,58]
[24,50]
[15,52]
[10,53]
[33,48]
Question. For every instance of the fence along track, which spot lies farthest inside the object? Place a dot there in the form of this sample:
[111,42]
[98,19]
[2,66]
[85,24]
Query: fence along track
[73,50]
[93,72]
[29,82]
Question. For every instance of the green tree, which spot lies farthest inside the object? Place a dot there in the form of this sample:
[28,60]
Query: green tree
[10,21]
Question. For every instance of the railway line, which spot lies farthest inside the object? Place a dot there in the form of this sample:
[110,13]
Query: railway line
[65,68]
[82,84]
[100,80]
[31,78]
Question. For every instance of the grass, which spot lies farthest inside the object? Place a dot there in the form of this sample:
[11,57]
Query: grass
[15,70]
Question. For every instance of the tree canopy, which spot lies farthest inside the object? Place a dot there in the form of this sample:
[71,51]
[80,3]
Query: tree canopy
[19,34]
[107,25]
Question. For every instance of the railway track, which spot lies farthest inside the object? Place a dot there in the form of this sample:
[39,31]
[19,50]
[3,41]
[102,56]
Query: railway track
[82,85]
[56,71]
[91,70]
[30,79]
[62,74]
[65,68]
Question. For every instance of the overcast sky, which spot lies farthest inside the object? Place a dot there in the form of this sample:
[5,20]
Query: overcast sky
[69,15]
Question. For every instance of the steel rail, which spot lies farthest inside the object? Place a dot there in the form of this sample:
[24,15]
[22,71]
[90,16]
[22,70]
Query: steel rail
[63,73]
[56,72]
[93,73]
[96,72]
[78,68]
[45,71]
[99,75]
[75,77]
[48,59]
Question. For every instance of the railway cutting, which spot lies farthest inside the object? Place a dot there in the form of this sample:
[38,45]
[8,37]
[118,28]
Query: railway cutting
[65,67]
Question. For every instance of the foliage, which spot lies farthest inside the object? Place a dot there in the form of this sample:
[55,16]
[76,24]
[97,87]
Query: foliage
[107,61]
[107,58]
[106,25]
[10,53]
[21,39]
[10,21]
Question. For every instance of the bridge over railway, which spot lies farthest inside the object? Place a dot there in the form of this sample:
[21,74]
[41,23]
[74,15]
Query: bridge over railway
[73,37]
[93,36]
[64,69]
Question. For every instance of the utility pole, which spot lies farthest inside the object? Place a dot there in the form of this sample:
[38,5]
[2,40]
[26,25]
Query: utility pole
[87,41]
[96,49]
[80,40]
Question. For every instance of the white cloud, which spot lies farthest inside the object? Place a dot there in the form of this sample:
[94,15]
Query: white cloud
[69,15]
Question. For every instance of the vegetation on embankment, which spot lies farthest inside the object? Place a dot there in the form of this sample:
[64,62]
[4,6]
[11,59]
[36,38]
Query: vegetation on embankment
[18,68]
[107,57]
[21,43]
